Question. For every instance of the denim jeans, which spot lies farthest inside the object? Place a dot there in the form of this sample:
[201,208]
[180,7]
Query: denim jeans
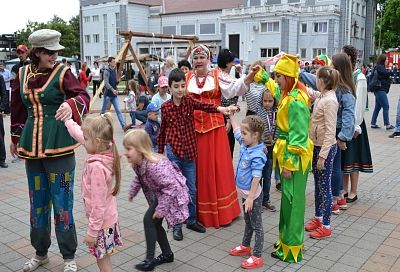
[337,175]
[397,129]
[114,101]
[133,117]
[141,115]
[266,177]
[188,169]
[381,101]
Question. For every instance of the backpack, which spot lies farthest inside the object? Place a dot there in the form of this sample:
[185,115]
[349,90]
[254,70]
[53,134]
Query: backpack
[373,82]
[153,79]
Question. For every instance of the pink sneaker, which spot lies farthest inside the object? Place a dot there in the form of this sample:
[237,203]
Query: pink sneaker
[342,204]
[321,233]
[240,251]
[335,209]
[252,262]
[313,224]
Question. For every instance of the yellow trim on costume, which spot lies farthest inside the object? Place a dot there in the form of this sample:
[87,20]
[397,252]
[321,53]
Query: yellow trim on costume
[295,250]
[218,199]
[219,208]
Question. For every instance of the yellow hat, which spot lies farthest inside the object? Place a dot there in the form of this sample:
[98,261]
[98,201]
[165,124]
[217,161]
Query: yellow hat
[288,65]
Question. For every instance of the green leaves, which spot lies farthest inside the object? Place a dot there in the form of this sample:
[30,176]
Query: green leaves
[69,33]
[387,26]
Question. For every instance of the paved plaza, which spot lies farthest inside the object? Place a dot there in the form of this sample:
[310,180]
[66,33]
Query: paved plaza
[365,238]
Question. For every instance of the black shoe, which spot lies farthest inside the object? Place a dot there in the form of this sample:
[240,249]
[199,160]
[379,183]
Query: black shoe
[269,206]
[146,265]
[177,233]
[275,255]
[278,186]
[390,127]
[276,245]
[197,227]
[164,258]
[3,165]
[346,195]
[395,135]
[375,126]
[351,200]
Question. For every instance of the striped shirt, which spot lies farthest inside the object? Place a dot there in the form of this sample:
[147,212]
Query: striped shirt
[253,95]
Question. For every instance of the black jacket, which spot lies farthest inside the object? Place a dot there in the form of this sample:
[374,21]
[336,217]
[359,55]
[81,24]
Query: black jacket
[384,77]
[3,96]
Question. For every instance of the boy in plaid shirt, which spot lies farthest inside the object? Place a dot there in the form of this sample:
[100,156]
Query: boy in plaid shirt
[178,136]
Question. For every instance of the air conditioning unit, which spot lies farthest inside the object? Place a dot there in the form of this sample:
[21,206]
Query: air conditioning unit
[256,27]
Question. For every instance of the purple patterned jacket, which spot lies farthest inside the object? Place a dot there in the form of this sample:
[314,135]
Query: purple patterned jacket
[163,180]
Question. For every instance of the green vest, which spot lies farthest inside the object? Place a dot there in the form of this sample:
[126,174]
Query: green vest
[43,136]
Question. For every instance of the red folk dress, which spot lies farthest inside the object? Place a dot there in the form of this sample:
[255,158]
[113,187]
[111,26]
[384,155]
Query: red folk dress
[217,200]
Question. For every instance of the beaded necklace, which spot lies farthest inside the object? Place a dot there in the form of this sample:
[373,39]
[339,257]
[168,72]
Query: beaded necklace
[199,83]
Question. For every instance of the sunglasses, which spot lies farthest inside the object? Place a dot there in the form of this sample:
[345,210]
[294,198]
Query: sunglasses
[49,52]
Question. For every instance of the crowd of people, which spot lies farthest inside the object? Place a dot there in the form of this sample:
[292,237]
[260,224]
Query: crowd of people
[297,121]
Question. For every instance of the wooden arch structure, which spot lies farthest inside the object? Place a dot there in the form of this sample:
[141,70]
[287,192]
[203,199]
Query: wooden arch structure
[127,46]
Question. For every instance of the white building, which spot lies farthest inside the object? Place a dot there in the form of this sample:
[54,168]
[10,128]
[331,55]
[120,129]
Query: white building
[252,29]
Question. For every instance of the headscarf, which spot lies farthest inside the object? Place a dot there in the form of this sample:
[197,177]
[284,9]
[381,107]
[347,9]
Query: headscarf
[322,60]
[200,49]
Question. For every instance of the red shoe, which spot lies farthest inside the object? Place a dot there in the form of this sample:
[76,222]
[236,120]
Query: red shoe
[335,209]
[321,233]
[252,262]
[240,251]
[313,224]
[342,204]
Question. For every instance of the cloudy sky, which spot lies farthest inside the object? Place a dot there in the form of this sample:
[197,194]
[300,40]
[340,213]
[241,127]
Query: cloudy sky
[15,14]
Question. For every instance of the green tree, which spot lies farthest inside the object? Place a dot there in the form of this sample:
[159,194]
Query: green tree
[387,29]
[69,38]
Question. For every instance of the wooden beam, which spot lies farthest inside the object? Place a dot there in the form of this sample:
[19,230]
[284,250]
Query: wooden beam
[158,36]
[138,64]
[122,56]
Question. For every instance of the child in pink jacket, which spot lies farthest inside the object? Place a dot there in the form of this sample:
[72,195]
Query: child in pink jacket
[165,189]
[102,166]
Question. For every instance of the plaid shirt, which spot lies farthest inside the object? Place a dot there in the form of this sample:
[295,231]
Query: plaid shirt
[177,126]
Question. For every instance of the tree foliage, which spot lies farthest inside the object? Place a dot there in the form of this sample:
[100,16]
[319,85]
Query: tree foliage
[387,29]
[69,33]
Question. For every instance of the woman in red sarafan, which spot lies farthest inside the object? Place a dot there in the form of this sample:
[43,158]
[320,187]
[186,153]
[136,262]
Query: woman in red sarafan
[217,201]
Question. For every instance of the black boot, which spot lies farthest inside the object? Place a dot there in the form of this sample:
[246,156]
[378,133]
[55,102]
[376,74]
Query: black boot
[146,265]
[164,258]
[178,235]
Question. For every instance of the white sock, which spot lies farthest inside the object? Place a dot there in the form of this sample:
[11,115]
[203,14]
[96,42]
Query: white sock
[327,227]
[319,218]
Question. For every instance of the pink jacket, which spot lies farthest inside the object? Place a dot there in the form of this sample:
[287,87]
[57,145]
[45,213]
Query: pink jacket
[97,186]
[164,181]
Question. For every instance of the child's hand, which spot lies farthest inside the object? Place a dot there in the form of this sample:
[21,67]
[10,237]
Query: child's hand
[156,215]
[320,163]
[248,204]
[90,241]
[287,174]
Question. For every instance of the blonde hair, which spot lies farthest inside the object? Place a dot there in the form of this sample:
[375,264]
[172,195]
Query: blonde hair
[255,125]
[329,76]
[170,62]
[140,140]
[100,127]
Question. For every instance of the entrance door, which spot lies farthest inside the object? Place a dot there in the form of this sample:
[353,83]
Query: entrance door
[234,44]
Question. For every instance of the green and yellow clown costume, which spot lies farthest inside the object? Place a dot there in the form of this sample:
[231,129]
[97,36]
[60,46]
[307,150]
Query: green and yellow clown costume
[322,60]
[293,151]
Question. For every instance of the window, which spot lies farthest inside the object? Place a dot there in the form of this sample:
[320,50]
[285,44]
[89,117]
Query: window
[89,60]
[318,51]
[95,18]
[188,29]
[96,38]
[303,53]
[362,33]
[87,38]
[86,19]
[143,50]
[96,58]
[304,28]
[105,29]
[169,30]
[270,27]
[268,52]
[358,9]
[207,29]
[321,27]
[363,11]
[117,30]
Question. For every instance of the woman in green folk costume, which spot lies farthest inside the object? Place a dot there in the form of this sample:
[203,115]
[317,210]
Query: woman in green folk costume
[293,152]
[45,94]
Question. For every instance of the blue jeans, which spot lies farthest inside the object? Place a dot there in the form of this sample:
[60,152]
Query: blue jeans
[397,129]
[381,101]
[266,176]
[337,175]
[133,117]
[188,169]
[115,103]
[141,115]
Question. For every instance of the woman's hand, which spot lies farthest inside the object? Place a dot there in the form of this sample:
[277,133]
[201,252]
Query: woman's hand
[90,241]
[250,76]
[64,112]
[13,150]
[341,145]
[320,163]
[287,174]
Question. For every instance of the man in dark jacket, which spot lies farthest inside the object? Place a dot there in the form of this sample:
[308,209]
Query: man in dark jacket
[23,53]
[3,106]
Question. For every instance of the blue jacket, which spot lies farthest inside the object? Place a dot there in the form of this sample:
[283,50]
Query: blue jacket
[251,163]
[384,77]
[153,129]
[345,125]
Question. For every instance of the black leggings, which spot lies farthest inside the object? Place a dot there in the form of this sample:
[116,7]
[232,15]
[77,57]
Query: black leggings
[154,231]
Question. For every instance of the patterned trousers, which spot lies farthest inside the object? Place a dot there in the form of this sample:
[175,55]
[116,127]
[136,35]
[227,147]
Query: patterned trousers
[253,222]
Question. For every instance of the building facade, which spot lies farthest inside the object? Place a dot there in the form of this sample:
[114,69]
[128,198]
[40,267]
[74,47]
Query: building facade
[252,29]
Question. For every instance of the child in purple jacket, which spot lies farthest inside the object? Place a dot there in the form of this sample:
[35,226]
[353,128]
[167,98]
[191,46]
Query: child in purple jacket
[165,190]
